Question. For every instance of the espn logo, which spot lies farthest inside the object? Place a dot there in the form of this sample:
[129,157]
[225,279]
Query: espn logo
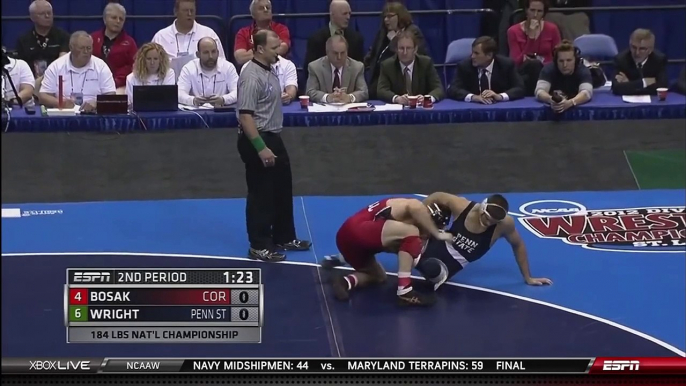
[620,365]
[92,277]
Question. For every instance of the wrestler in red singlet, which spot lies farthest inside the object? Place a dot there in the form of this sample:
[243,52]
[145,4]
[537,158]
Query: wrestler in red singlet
[389,225]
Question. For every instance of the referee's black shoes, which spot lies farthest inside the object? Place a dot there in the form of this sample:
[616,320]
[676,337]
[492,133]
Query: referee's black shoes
[266,255]
[295,245]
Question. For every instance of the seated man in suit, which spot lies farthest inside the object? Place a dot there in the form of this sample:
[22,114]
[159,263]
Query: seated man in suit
[339,11]
[640,70]
[408,74]
[336,78]
[566,82]
[486,77]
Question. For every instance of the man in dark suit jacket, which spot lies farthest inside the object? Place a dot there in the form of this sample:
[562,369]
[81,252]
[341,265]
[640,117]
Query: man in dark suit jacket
[339,11]
[641,69]
[408,74]
[486,77]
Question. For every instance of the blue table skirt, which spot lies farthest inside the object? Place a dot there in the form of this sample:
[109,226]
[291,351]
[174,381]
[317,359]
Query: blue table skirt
[604,106]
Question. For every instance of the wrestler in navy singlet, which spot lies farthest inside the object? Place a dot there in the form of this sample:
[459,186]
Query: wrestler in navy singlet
[465,248]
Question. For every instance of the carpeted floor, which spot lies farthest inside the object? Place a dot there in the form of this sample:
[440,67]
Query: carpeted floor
[463,158]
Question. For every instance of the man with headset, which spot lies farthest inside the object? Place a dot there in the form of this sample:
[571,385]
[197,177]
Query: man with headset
[566,82]
[476,228]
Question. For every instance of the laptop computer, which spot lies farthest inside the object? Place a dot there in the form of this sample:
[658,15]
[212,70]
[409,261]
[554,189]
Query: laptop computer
[156,98]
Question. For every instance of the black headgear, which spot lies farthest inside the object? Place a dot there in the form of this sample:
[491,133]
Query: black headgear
[440,214]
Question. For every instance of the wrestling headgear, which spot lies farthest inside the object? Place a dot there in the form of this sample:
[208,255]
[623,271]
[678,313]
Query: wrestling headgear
[440,214]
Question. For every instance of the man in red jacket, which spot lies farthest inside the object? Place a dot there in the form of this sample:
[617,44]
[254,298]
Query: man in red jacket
[113,45]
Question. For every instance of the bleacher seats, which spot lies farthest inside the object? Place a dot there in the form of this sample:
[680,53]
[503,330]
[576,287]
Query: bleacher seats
[439,29]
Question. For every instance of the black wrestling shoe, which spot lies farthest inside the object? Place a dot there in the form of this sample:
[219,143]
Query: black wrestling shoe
[340,288]
[266,255]
[415,298]
[295,245]
[331,262]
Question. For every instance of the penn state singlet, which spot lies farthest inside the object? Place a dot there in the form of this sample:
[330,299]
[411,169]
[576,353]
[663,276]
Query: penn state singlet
[466,247]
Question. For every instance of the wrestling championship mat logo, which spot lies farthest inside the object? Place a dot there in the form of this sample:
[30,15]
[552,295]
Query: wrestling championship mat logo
[645,229]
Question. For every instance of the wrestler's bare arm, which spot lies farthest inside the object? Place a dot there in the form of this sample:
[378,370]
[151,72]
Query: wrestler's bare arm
[509,233]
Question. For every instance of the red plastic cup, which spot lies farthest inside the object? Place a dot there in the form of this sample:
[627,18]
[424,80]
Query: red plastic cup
[304,101]
[413,101]
[427,102]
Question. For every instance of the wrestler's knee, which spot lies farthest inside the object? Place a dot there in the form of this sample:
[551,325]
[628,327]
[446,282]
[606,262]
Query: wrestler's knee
[412,245]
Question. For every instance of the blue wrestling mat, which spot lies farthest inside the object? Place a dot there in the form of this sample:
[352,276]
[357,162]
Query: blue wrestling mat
[616,259]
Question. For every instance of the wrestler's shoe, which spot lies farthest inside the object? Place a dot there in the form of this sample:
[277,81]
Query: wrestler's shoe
[340,288]
[416,298]
[332,261]
[295,245]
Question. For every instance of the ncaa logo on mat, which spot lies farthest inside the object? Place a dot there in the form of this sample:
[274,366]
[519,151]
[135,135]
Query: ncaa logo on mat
[646,229]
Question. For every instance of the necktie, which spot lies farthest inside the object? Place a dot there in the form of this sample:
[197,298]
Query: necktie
[483,81]
[336,80]
[408,81]
[640,70]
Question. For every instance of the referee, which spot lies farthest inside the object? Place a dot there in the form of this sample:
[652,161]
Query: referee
[269,207]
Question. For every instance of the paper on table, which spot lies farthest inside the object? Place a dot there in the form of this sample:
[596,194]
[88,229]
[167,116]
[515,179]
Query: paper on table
[205,106]
[636,98]
[388,107]
[327,108]
[63,112]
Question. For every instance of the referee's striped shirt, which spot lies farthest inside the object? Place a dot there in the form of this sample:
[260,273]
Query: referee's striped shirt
[259,94]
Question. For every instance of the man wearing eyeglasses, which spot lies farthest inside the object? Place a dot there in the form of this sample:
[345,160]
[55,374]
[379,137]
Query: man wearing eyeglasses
[261,12]
[209,79]
[476,227]
[84,77]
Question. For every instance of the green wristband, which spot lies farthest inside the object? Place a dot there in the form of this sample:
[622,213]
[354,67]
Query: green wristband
[258,143]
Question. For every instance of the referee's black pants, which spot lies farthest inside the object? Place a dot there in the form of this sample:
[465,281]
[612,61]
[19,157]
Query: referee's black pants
[269,207]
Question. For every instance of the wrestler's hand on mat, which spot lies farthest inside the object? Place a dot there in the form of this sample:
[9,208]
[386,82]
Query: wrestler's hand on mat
[538,281]
[268,158]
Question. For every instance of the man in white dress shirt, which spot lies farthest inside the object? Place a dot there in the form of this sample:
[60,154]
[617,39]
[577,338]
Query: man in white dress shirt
[288,78]
[84,76]
[181,38]
[22,78]
[208,79]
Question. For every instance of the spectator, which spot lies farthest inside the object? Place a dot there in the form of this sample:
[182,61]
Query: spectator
[288,79]
[84,76]
[680,85]
[180,39]
[641,69]
[209,79]
[486,77]
[261,11]
[151,67]
[339,11]
[113,45]
[336,78]
[571,24]
[408,74]
[396,18]
[532,41]
[44,43]
[566,82]
[23,80]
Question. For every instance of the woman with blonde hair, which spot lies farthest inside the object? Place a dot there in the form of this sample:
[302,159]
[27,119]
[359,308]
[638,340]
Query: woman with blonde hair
[151,67]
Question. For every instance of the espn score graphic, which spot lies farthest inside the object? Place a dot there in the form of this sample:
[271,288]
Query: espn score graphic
[127,305]
[660,229]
